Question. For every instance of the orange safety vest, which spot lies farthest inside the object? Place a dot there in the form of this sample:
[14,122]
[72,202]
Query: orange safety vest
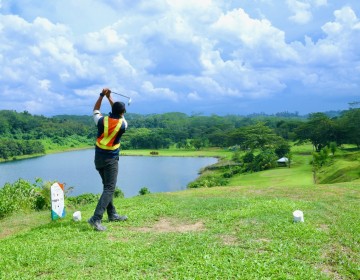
[107,138]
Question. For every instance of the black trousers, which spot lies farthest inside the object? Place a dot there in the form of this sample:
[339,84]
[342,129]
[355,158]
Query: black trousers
[108,170]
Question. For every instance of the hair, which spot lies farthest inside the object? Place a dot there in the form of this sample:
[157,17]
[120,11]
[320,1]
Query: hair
[118,108]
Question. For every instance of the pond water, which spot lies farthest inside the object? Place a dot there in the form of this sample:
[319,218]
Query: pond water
[76,169]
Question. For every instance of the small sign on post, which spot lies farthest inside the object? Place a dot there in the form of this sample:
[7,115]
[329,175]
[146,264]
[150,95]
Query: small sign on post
[57,201]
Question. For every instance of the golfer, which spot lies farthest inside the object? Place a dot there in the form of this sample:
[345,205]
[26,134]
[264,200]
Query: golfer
[110,130]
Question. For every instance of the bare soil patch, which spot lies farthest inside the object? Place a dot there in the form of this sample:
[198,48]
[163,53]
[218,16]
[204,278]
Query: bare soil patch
[170,225]
[229,240]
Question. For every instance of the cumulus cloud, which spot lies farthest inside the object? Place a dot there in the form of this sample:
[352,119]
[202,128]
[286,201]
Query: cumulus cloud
[173,51]
[258,38]
[301,11]
[158,92]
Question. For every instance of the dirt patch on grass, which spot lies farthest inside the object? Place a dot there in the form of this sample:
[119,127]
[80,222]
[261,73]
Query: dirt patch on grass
[229,240]
[118,239]
[170,225]
[323,227]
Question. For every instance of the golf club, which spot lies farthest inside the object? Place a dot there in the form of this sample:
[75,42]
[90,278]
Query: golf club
[123,96]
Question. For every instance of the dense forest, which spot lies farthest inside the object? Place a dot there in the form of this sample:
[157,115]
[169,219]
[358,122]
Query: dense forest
[26,134]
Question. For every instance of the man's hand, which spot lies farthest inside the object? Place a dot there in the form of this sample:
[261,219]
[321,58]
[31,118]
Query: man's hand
[107,92]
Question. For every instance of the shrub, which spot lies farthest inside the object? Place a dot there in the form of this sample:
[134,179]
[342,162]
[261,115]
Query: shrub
[83,199]
[263,161]
[43,195]
[248,157]
[236,156]
[333,147]
[119,193]
[320,158]
[208,181]
[233,171]
[144,190]
[282,148]
[21,195]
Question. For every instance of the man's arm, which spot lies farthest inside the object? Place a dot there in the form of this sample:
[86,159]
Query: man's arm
[96,112]
[110,99]
[104,92]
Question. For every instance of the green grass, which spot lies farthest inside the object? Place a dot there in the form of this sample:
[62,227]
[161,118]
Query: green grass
[223,233]
[299,173]
[209,152]
[344,166]
[243,231]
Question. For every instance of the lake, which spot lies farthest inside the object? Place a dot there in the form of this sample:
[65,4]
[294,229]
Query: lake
[76,169]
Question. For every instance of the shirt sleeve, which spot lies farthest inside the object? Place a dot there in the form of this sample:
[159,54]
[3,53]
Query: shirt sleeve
[125,122]
[97,116]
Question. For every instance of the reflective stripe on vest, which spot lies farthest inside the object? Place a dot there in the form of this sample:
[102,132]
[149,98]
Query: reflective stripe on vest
[107,138]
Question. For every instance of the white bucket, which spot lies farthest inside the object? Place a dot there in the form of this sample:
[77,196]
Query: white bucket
[298,216]
[77,216]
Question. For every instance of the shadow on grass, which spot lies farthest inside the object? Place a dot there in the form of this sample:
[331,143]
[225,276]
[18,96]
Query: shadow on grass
[69,225]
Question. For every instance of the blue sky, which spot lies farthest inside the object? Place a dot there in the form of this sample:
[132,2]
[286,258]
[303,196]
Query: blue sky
[208,57]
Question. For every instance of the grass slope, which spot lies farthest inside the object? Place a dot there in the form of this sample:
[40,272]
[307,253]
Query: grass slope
[223,233]
[343,167]
[244,231]
[299,173]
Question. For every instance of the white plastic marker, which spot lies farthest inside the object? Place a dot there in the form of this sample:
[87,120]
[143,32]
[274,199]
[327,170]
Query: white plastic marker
[298,216]
[57,201]
[77,216]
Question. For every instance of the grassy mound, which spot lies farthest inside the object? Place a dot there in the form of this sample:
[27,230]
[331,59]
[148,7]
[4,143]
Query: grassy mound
[344,167]
[210,233]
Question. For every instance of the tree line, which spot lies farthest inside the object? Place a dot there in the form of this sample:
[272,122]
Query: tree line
[22,133]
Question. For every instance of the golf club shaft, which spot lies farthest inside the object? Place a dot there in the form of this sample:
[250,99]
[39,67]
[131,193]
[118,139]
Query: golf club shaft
[121,94]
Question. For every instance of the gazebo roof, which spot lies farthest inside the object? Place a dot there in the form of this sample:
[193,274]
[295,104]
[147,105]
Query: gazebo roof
[283,159]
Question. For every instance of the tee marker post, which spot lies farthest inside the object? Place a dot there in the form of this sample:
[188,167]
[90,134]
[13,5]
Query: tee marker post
[57,201]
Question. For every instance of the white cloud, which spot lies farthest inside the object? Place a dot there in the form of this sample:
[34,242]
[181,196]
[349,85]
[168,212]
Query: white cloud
[320,3]
[330,62]
[162,93]
[194,96]
[106,40]
[45,84]
[259,38]
[123,65]
[174,51]
[301,11]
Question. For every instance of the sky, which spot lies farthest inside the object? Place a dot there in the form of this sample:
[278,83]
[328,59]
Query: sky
[196,57]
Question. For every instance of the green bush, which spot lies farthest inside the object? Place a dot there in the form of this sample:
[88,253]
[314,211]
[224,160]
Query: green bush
[208,181]
[21,195]
[119,193]
[43,195]
[236,156]
[144,190]
[264,160]
[83,199]
[248,157]
[232,171]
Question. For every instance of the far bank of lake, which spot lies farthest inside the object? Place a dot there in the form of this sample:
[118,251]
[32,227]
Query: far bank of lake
[76,169]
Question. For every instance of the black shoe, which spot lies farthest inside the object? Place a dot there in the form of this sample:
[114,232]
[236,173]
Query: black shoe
[117,218]
[96,225]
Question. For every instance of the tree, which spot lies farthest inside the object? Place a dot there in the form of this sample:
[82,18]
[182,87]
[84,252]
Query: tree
[282,148]
[319,130]
[333,147]
[257,136]
[349,122]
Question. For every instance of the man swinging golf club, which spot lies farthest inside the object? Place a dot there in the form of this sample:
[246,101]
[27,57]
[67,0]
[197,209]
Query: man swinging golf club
[110,130]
